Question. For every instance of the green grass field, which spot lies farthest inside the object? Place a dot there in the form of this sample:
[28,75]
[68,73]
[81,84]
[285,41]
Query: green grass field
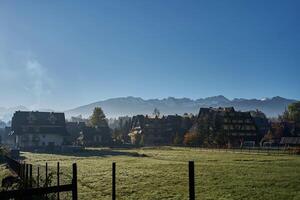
[163,174]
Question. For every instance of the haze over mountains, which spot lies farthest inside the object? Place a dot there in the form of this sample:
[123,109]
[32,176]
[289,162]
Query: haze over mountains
[134,105]
[130,106]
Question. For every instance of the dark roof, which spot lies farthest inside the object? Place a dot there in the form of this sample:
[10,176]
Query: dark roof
[38,122]
[38,118]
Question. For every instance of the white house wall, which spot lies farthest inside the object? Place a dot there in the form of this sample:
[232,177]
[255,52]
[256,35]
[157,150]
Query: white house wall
[44,140]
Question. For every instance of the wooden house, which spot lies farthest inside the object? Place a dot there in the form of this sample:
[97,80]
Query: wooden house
[238,128]
[38,129]
[158,130]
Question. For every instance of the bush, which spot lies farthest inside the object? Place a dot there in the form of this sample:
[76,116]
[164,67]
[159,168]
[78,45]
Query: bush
[191,139]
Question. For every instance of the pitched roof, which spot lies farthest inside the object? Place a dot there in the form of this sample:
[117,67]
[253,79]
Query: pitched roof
[38,118]
[38,122]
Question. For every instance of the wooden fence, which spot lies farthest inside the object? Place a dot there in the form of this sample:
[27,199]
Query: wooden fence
[276,150]
[191,178]
[24,171]
[31,186]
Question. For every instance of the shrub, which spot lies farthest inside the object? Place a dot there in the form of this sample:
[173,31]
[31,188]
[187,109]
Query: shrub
[191,139]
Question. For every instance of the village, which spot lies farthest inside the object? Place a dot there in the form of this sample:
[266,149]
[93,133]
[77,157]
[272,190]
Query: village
[40,147]
[212,127]
[150,100]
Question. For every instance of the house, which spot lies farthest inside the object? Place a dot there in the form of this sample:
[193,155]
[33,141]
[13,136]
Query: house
[282,133]
[236,128]
[75,131]
[96,136]
[38,129]
[163,130]
[80,133]
[261,121]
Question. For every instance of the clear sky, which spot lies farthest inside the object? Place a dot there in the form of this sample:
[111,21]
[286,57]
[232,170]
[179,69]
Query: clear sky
[62,54]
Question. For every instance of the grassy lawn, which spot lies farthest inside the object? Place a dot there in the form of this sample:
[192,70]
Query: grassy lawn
[163,174]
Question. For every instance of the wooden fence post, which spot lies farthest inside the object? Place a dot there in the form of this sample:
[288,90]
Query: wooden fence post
[30,174]
[21,171]
[74,183]
[46,178]
[24,172]
[191,180]
[26,176]
[113,181]
[38,177]
[58,179]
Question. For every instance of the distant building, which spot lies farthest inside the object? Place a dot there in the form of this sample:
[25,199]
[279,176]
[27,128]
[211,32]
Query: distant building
[96,136]
[284,133]
[261,121]
[38,129]
[158,131]
[75,131]
[84,135]
[237,127]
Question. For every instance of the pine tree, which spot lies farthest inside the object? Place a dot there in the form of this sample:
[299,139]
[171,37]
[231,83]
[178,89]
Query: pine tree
[98,118]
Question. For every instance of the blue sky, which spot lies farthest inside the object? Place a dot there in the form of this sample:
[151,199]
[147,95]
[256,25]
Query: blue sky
[61,54]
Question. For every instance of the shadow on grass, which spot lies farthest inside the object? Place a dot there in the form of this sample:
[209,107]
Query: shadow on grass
[95,153]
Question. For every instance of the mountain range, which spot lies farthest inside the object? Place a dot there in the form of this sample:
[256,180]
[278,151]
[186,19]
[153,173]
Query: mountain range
[129,106]
[123,106]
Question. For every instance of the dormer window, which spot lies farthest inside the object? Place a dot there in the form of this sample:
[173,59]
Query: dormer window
[52,119]
[31,118]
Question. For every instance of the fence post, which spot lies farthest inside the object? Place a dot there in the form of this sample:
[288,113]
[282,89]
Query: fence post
[21,171]
[38,177]
[74,183]
[26,175]
[24,172]
[30,174]
[191,180]
[46,178]
[57,179]
[113,181]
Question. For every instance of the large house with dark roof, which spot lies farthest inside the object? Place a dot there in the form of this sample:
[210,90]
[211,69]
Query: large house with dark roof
[163,130]
[38,129]
[237,127]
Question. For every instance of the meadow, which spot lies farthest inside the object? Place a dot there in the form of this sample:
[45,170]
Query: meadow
[162,173]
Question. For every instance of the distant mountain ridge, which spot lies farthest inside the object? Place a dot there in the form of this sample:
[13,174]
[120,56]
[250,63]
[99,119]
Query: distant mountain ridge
[130,106]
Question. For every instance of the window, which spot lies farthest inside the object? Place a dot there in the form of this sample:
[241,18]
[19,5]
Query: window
[51,144]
